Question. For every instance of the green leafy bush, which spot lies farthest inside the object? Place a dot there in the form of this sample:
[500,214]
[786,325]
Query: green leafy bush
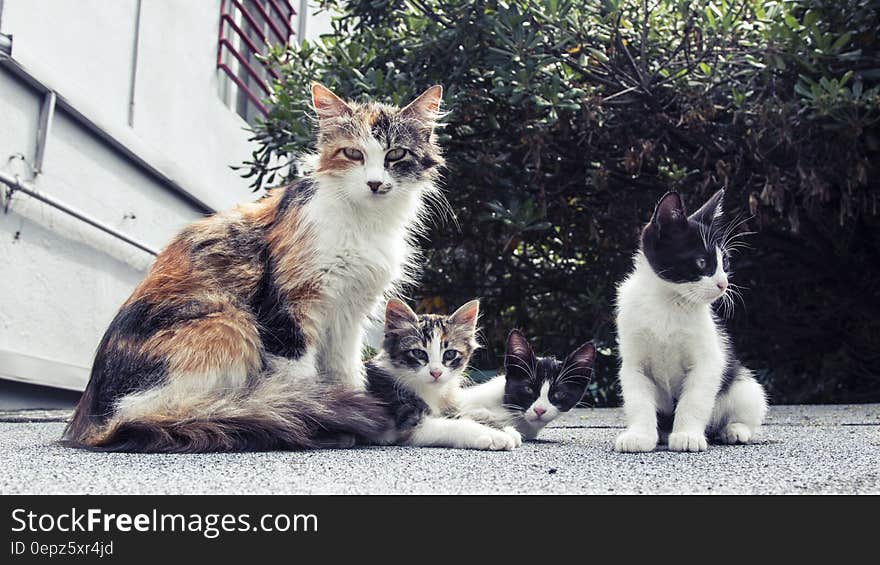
[568,119]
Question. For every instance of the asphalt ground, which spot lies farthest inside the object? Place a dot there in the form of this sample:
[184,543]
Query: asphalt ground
[801,449]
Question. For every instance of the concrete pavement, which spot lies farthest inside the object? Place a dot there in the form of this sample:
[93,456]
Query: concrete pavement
[802,449]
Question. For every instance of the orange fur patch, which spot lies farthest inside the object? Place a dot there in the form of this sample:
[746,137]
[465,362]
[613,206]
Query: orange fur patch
[219,340]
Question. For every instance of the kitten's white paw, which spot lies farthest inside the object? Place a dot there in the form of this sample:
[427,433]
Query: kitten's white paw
[735,433]
[494,440]
[635,442]
[517,437]
[688,441]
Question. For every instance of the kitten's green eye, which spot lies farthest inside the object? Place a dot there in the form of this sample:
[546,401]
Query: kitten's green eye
[528,390]
[418,354]
[449,355]
[701,263]
[353,154]
[395,154]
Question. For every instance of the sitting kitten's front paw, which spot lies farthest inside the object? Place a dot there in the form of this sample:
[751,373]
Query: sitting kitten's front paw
[517,437]
[735,433]
[632,441]
[688,441]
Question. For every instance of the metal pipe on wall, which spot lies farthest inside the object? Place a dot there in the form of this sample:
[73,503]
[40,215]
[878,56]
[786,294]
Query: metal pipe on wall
[12,66]
[134,63]
[17,185]
[5,40]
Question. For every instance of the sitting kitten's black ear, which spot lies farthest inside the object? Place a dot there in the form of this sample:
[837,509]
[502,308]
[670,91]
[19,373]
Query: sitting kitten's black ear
[670,213]
[399,316]
[579,363]
[711,210]
[519,359]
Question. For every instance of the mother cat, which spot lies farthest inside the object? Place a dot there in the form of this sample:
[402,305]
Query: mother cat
[246,333]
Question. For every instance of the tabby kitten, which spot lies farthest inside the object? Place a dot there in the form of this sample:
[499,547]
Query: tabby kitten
[678,366]
[418,374]
[246,333]
[533,391]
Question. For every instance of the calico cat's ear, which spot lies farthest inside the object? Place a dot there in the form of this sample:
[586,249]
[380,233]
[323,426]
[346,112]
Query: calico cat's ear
[670,213]
[519,359]
[426,106]
[579,363]
[398,315]
[709,211]
[327,104]
[466,316]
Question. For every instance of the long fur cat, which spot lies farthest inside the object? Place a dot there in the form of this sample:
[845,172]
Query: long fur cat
[246,333]
[678,368]
[533,391]
[419,373]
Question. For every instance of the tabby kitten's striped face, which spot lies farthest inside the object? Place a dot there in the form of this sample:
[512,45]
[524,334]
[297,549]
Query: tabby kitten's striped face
[429,349]
[376,152]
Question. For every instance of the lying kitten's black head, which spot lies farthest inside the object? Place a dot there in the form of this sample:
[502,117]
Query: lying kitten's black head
[688,251]
[542,387]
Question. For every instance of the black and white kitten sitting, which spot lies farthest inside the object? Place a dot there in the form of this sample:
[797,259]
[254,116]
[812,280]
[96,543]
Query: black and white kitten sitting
[677,361]
[533,391]
[418,375]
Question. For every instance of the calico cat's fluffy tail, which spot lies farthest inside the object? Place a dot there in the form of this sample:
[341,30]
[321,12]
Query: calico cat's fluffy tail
[272,415]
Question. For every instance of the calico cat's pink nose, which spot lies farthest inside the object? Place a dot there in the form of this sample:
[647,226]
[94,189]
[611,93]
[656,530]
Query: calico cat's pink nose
[722,286]
[436,373]
[540,411]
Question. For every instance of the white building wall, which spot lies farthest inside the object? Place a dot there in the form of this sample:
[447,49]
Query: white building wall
[62,281]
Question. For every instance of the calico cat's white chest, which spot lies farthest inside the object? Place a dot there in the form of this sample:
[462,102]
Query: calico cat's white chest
[356,269]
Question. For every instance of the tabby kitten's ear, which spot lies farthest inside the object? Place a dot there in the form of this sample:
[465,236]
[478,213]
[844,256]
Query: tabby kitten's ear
[709,211]
[326,104]
[426,106]
[579,363]
[399,316]
[670,214]
[519,359]
[466,316]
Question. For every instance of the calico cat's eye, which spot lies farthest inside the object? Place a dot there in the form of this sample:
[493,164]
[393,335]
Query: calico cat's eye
[419,355]
[449,355]
[701,263]
[353,154]
[395,154]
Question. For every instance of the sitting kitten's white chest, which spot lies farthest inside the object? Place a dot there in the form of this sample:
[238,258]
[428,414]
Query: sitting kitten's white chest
[658,337]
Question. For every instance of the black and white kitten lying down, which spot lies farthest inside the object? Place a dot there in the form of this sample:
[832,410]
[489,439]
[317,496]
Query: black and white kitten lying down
[677,362]
[418,375]
[533,391]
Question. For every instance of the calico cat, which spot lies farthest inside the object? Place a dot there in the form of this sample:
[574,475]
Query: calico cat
[246,333]
[418,375]
[533,391]
[677,361]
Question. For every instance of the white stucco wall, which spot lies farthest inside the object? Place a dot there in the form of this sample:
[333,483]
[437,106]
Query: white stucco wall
[61,281]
